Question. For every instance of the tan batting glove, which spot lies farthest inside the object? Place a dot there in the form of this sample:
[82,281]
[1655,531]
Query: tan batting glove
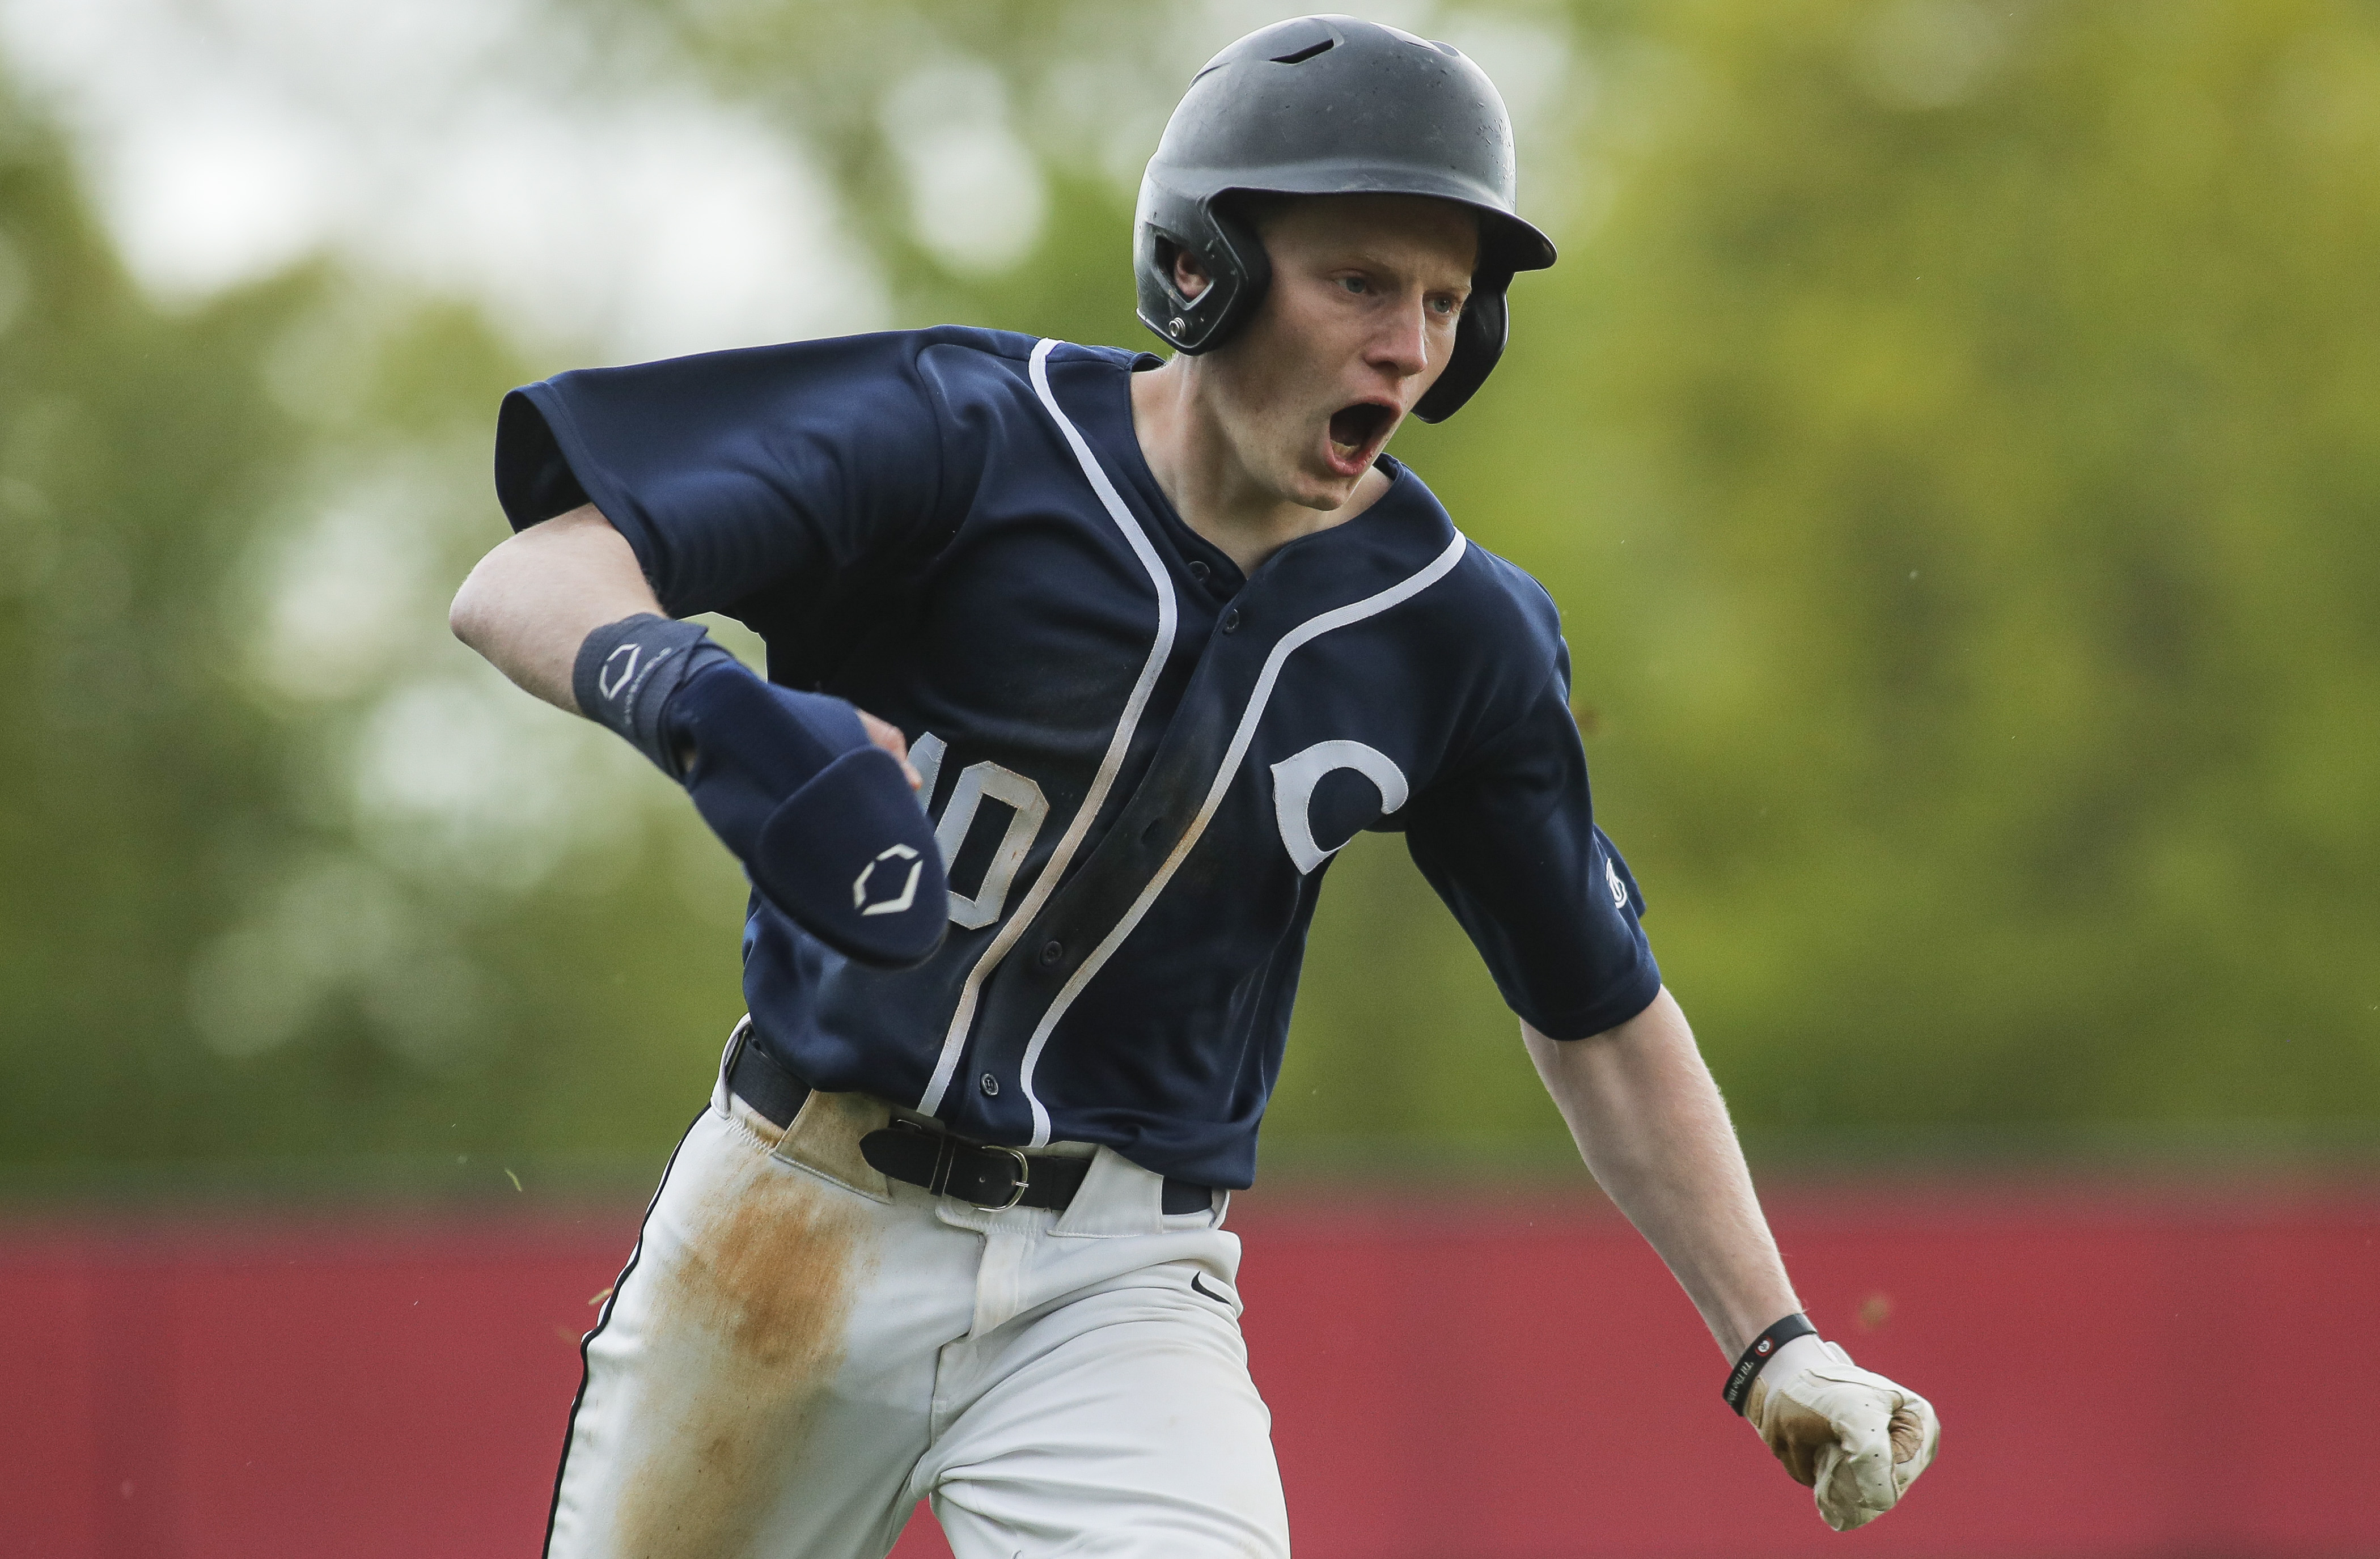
[1851,1436]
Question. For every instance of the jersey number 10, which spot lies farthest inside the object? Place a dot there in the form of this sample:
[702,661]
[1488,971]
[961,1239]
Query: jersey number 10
[978,783]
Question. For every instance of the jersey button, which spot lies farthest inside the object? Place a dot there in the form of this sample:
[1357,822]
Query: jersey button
[990,1086]
[1231,620]
[1200,571]
[1050,953]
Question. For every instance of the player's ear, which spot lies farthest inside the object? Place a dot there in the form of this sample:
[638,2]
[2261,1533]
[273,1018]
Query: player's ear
[1191,276]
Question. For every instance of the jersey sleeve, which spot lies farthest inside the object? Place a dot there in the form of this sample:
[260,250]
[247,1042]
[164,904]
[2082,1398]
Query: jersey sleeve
[731,473]
[1511,844]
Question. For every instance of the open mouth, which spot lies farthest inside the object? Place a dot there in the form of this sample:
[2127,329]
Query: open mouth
[1356,432]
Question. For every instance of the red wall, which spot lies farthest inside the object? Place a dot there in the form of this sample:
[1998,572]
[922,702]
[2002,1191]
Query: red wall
[2121,1373]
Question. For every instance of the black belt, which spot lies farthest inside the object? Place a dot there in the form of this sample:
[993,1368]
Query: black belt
[989,1178]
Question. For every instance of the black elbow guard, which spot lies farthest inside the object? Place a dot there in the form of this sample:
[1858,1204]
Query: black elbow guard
[627,671]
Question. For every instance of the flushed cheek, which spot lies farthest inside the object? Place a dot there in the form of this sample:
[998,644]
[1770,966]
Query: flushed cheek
[1287,444]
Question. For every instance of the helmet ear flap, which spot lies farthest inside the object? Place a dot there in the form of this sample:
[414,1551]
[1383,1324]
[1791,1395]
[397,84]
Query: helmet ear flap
[1479,338]
[1225,245]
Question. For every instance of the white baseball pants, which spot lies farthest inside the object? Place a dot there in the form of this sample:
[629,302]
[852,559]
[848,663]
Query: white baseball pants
[800,1349]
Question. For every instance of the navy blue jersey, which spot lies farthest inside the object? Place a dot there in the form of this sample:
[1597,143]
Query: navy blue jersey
[1140,760]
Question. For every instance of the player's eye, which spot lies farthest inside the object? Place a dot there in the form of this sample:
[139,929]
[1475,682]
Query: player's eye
[1354,284]
[1446,306]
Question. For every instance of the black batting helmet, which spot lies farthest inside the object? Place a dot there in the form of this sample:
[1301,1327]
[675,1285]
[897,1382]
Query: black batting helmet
[1330,106]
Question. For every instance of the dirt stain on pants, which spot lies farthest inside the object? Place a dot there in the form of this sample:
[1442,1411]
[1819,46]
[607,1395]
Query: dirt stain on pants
[756,1309]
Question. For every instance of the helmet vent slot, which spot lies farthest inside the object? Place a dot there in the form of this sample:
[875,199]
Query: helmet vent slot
[1301,55]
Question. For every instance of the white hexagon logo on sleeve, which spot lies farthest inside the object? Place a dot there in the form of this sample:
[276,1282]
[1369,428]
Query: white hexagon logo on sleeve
[1294,777]
[609,681]
[908,888]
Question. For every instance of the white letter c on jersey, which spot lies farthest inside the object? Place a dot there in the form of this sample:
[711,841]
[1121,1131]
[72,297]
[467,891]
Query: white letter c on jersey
[1294,779]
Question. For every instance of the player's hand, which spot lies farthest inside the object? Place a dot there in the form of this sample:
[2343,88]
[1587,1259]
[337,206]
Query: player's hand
[886,734]
[1855,1438]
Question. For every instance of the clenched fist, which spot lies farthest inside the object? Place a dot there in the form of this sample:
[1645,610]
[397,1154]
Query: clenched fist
[1853,1437]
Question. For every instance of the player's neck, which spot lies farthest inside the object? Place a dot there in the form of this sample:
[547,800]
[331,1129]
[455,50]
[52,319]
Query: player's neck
[1210,481]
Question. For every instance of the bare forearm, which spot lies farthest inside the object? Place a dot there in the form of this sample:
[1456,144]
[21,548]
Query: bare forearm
[531,601]
[1651,1125]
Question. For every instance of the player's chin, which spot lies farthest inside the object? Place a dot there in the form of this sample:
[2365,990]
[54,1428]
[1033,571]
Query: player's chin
[1318,482]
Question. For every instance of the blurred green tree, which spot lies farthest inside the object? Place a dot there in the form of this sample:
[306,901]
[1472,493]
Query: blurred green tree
[129,462]
[1972,418]
[268,899]
[1952,434]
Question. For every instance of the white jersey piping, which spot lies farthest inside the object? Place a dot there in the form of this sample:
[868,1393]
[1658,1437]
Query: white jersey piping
[1168,614]
[1304,633]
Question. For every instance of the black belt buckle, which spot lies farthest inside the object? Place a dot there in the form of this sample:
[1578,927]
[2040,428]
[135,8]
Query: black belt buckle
[947,1150]
[1023,1179]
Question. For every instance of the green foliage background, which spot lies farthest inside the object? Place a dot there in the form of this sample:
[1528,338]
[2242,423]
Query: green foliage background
[1953,433]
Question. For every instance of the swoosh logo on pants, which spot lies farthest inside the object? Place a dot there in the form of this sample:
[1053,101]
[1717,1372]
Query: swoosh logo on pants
[1199,1282]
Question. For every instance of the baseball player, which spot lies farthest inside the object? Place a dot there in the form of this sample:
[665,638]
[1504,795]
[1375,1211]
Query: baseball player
[1082,665]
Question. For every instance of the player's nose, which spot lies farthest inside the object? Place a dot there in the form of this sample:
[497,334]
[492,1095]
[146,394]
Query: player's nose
[1400,343]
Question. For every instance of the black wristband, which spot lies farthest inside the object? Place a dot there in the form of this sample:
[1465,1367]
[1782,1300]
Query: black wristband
[627,671]
[1755,1358]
